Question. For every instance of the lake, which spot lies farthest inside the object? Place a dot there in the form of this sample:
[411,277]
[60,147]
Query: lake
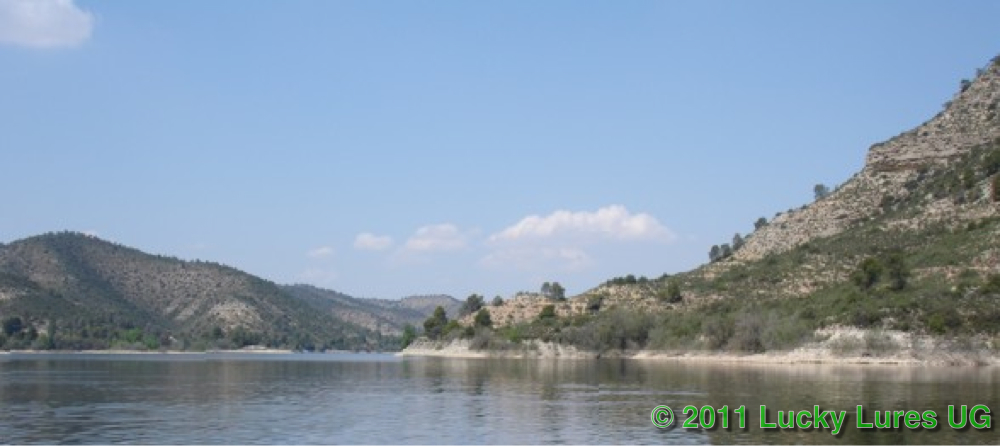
[376,398]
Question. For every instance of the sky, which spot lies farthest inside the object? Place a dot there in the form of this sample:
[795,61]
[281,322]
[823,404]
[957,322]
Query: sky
[386,149]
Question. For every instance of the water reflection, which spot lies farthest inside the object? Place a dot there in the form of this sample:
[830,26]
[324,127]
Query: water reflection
[226,399]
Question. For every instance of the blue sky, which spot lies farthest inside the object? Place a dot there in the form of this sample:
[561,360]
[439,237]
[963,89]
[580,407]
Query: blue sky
[392,148]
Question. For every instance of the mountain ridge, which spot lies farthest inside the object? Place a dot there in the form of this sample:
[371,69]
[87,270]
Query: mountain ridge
[95,291]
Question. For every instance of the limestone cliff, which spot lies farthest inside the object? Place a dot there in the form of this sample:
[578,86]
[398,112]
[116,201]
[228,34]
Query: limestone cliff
[970,119]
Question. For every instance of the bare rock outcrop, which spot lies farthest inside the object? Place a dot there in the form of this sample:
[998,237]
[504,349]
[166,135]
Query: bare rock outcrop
[972,118]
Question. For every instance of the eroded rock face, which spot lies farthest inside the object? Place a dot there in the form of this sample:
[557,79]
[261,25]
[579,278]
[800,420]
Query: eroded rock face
[971,119]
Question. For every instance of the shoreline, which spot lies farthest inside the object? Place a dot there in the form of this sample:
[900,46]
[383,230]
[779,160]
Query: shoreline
[144,352]
[821,353]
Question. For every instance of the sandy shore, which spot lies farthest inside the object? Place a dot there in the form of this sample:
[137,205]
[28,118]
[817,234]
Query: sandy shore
[837,346]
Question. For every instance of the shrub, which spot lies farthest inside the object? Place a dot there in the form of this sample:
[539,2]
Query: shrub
[878,343]
[548,312]
[717,331]
[846,345]
[944,319]
[747,333]
[897,271]
[992,285]
[868,273]
[782,333]
[672,293]
[483,318]
[594,303]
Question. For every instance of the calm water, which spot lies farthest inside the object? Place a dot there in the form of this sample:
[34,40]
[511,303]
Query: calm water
[346,398]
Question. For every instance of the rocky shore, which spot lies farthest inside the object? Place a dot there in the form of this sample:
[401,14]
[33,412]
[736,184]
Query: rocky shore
[835,346]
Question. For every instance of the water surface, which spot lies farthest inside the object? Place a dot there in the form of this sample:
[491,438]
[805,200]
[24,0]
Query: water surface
[371,398]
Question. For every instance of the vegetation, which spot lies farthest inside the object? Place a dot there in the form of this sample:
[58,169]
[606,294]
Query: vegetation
[548,312]
[760,223]
[409,335]
[553,291]
[123,298]
[737,242]
[434,326]
[483,319]
[671,294]
[471,305]
[892,270]
[820,191]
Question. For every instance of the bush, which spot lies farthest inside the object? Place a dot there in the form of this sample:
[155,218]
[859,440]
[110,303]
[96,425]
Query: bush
[878,343]
[671,294]
[943,320]
[483,318]
[717,331]
[897,271]
[748,333]
[868,273]
[594,303]
[781,333]
[409,334]
[548,312]
[992,285]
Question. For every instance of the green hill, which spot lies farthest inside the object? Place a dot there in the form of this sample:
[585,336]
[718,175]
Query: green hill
[72,291]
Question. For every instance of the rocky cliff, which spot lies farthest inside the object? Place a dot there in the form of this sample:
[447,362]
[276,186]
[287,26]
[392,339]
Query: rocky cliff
[970,119]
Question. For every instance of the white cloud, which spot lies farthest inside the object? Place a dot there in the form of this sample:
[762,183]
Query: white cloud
[44,23]
[441,237]
[535,259]
[321,252]
[611,222]
[372,242]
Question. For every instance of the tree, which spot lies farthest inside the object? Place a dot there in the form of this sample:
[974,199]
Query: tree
[760,223]
[715,253]
[897,271]
[546,289]
[409,334]
[726,251]
[483,318]
[672,293]
[434,325]
[12,326]
[737,242]
[497,301]
[868,273]
[821,191]
[594,303]
[558,292]
[471,305]
[548,312]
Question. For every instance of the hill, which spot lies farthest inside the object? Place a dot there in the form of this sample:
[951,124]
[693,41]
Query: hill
[384,316]
[910,244]
[72,291]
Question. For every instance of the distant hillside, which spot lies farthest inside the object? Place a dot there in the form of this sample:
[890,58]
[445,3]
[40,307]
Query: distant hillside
[910,244]
[426,304]
[380,315]
[69,290]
